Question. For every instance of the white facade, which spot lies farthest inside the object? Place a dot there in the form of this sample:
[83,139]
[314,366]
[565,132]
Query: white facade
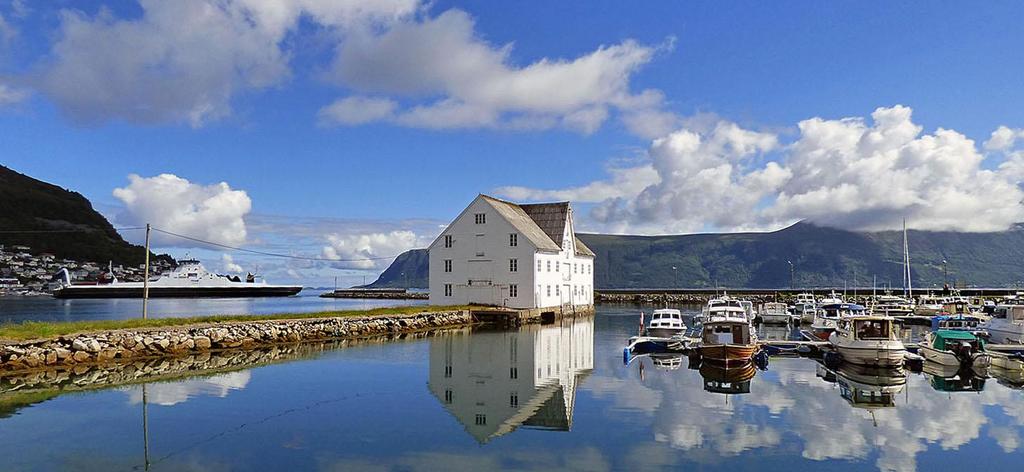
[495,253]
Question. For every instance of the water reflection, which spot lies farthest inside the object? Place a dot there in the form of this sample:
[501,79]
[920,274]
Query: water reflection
[495,382]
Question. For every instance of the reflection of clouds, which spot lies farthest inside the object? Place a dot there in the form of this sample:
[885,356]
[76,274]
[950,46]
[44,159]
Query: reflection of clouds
[1006,437]
[172,393]
[584,459]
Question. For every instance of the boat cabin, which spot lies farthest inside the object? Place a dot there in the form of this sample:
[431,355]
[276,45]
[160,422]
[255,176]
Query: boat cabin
[1010,313]
[805,298]
[949,340]
[775,309]
[959,307]
[727,308]
[956,323]
[666,318]
[726,331]
[868,328]
[842,310]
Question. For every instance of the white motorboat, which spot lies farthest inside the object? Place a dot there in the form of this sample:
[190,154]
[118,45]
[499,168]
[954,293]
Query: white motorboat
[188,280]
[804,312]
[1006,325]
[892,305]
[827,318]
[954,348]
[725,307]
[833,298]
[666,323]
[868,340]
[774,313]
[928,305]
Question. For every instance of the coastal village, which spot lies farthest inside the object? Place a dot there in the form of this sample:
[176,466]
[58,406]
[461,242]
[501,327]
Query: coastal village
[24,273]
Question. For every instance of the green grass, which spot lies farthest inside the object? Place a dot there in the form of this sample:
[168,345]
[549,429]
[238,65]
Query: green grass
[41,329]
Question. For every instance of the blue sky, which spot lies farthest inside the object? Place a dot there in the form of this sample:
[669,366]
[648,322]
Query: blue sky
[760,67]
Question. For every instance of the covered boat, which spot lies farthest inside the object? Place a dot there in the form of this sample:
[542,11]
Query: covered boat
[868,340]
[954,348]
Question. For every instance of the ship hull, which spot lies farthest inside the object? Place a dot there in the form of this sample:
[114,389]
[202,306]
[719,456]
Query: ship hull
[175,292]
[727,354]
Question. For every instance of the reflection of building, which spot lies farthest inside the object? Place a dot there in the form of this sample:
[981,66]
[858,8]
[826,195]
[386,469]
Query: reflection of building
[494,382]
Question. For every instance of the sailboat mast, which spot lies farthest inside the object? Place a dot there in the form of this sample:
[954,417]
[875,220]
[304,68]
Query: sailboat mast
[906,262]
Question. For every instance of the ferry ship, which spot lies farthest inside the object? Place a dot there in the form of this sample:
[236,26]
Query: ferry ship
[189,280]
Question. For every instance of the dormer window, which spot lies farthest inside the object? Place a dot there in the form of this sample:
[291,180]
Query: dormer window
[480,218]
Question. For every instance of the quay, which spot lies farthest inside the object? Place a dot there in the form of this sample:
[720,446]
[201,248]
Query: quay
[375,293]
[762,295]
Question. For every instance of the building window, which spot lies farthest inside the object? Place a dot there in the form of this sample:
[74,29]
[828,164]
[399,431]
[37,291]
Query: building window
[447,240]
[558,291]
[549,290]
[480,218]
[549,266]
[447,371]
[513,373]
[447,265]
[556,266]
[574,268]
[513,265]
[513,400]
[513,290]
[513,240]
[447,290]
[481,420]
[448,396]
[539,266]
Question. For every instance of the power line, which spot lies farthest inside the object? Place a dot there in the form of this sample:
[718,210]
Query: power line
[271,254]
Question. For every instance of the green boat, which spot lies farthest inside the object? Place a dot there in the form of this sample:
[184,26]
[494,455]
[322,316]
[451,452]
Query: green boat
[954,348]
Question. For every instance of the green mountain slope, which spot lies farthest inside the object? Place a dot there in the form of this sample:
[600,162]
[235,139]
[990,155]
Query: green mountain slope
[30,204]
[821,256]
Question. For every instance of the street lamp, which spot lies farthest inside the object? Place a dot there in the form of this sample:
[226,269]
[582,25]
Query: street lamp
[945,275]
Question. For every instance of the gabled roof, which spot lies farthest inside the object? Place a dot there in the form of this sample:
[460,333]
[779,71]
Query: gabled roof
[542,223]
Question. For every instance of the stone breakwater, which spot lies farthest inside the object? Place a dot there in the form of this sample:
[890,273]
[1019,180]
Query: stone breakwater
[141,343]
[673,298]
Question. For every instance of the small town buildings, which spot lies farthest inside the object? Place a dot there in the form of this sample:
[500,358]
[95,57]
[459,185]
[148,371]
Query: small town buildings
[523,256]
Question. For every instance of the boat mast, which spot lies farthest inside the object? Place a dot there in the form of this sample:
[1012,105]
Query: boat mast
[907,284]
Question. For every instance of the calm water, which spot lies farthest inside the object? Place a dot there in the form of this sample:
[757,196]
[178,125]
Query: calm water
[545,397]
[18,309]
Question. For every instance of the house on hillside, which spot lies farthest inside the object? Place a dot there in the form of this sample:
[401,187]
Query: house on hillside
[501,253]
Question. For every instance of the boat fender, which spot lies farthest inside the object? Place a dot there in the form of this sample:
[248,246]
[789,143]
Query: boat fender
[625,356]
[761,360]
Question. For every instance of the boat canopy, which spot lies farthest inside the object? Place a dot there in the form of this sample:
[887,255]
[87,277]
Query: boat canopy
[944,336]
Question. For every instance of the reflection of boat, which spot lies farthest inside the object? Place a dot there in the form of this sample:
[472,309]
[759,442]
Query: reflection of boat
[1012,378]
[733,380]
[188,280]
[870,387]
[666,323]
[955,348]
[774,313]
[868,340]
[496,382]
[946,378]
[774,332]
[666,361]
[728,341]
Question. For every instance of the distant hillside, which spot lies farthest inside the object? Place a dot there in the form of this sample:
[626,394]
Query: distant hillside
[30,204]
[821,256]
[409,270]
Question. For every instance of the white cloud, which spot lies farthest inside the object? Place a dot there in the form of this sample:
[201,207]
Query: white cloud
[839,172]
[213,213]
[173,393]
[10,95]
[458,80]
[228,264]
[357,110]
[369,251]
[150,69]
[624,182]
[1003,138]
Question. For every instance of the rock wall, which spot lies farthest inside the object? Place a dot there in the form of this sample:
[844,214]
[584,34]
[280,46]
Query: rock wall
[142,343]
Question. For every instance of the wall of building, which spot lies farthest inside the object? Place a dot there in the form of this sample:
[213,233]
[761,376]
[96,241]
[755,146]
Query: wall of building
[490,273]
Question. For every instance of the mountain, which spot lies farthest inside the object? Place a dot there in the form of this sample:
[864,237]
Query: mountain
[27,204]
[409,270]
[821,256]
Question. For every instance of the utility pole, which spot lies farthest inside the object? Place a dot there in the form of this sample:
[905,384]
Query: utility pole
[145,280]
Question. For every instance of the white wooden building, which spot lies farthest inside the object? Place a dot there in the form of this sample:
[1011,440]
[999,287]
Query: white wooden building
[505,254]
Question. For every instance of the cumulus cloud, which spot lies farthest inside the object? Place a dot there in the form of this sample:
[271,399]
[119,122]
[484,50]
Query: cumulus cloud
[10,95]
[149,69]
[357,110]
[228,264]
[849,172]
[212,212]
[458,80]
[369,251]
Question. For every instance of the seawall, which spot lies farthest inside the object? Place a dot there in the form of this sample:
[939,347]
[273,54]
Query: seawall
[175,341]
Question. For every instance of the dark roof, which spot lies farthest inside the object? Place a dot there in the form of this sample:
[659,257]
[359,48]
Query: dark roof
[551,218]
[542,223]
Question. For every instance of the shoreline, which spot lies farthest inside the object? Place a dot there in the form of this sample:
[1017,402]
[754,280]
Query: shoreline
[177,337]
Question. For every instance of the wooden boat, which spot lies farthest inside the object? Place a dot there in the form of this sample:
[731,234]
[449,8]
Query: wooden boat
[868,340]
[733,380]
[728,341]
[954,348]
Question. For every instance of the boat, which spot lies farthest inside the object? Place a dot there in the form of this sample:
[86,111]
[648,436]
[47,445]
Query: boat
[728,340]
[1006,325]
[774,313]
[832,299]
[969,323]
[188,280]
[828,316]
[725,307]
[946,378]
[868,340]
[804,312]
[929,305]
[892,305]
[666,323]
[954,348]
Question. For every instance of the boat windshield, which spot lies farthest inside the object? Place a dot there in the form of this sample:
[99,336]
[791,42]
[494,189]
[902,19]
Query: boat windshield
[873,329]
